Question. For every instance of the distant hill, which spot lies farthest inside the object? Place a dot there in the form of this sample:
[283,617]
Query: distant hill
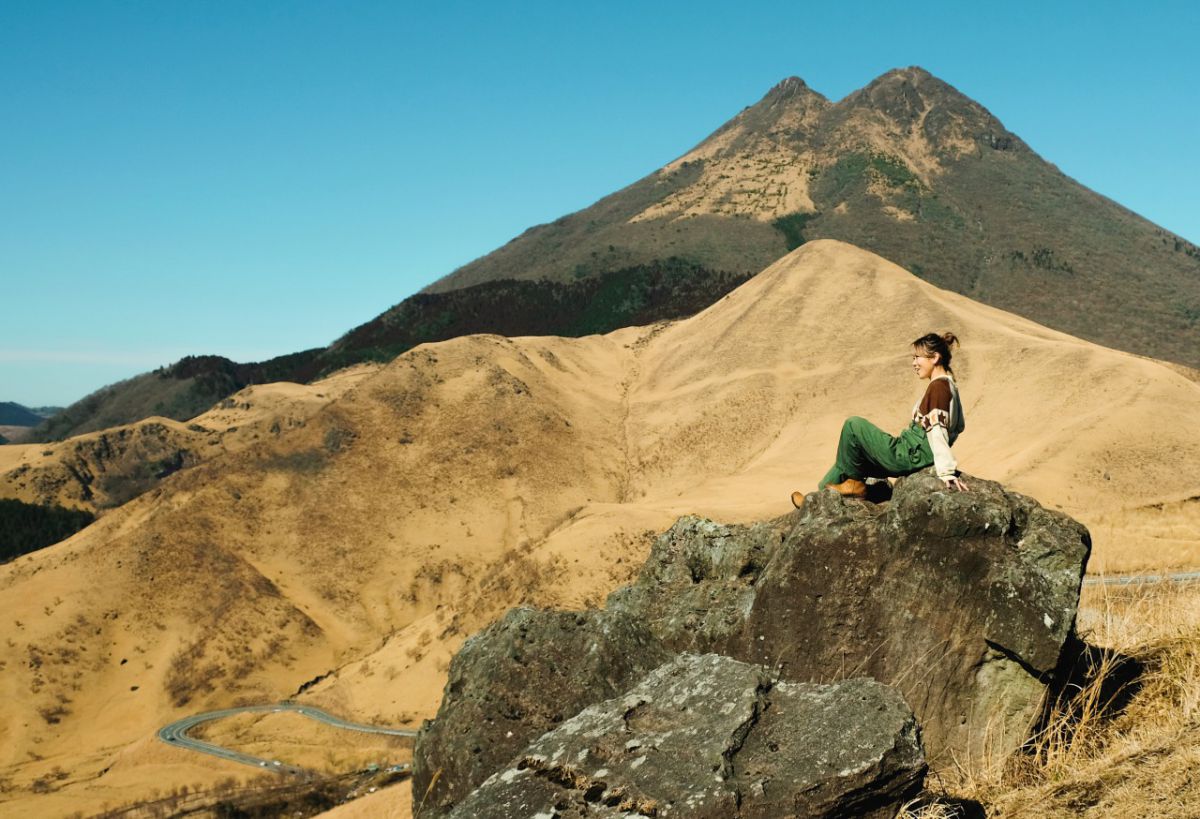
[641,294]
[15,415]
[907,167]
[181,391]
[99,471]
[670,288]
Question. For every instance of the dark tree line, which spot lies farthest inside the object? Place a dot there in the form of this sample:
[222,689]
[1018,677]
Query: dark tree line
[641,294]
[27,527]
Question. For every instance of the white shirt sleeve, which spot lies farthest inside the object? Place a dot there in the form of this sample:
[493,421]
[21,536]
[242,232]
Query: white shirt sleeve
[943,458]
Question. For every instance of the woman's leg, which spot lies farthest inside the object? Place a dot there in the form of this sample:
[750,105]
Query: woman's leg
[866,451]
[852,461]
[911,451]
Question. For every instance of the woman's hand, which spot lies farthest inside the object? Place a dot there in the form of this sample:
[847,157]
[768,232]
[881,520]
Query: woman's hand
[954,482]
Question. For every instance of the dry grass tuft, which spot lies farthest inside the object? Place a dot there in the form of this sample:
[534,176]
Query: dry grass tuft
[923,808]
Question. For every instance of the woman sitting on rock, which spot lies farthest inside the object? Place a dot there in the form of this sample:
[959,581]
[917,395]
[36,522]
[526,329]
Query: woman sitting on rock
[865,451]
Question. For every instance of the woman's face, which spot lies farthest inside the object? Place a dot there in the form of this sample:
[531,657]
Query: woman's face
[923,362]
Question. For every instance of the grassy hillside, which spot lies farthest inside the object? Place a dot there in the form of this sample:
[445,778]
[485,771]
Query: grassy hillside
[341,560]
[181,391]
[639,294]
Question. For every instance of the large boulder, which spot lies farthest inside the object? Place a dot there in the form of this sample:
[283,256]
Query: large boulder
[708,736]
[517,679]
[964,602]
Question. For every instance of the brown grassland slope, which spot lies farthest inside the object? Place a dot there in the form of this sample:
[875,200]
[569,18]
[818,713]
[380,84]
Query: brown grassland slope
[101,470]
[485,472]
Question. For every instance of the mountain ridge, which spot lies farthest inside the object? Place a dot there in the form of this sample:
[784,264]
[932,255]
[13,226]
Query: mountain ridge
[13,414]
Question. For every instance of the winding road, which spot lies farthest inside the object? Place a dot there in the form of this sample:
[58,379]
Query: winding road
[176,734]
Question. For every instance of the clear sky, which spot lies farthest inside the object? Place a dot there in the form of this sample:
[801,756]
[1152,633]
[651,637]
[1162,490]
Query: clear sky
[254,178]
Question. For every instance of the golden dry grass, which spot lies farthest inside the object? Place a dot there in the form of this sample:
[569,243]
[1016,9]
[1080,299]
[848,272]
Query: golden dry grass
[100,470]
[393,802]
[477,474]
[1114,747]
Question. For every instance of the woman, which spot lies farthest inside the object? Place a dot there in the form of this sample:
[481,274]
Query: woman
[866,451]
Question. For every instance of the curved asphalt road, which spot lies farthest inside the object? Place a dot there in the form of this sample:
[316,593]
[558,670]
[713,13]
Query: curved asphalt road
[176,733]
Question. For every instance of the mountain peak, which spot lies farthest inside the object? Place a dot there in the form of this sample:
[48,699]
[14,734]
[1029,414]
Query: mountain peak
[790,87]
[789,93]
[910,96]
[913,74]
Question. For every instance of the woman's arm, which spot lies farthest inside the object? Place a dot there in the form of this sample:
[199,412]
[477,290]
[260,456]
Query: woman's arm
[933,415]
[943,458]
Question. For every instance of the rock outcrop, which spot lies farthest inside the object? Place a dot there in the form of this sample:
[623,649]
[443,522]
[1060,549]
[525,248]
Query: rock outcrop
[707,736]
[963,602]
[521,677]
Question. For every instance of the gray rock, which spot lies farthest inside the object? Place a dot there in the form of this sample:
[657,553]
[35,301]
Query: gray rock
[698,586]
[708,736]
[514,681]
[963,600]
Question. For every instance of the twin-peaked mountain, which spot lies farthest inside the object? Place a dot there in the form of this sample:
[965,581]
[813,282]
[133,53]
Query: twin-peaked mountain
[907,167]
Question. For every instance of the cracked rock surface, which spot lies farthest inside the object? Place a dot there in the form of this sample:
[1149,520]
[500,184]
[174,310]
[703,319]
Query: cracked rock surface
[708,736]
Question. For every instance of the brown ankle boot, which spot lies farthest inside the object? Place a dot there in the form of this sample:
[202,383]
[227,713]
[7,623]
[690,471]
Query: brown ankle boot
[849,488]
[797,499]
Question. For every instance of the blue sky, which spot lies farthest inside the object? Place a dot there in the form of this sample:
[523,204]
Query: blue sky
[254,178]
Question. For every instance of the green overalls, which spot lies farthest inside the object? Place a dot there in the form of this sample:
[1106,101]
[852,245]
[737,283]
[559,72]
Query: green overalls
[866,451]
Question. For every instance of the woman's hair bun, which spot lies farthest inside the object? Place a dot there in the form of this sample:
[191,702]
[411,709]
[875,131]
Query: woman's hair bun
[940,344]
